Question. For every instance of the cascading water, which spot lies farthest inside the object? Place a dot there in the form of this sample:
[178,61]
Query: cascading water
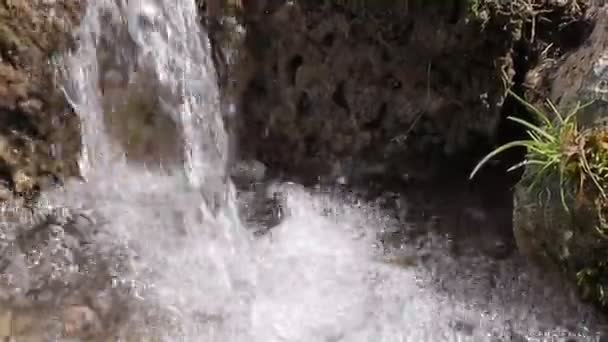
[196,273]
[184,225]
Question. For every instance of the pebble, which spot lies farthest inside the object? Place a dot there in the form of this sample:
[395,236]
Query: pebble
[250,171]
[80,321]
[22,181]
[5,193]
[31,106]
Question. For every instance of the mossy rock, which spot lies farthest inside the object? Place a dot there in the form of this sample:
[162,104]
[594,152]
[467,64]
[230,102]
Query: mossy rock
[39,133]
[563,231]
[561,222]
[559,233]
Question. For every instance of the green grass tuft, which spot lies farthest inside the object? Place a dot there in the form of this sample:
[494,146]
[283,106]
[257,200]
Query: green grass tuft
[558,147]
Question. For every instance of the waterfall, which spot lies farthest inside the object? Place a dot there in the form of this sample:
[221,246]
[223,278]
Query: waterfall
[180,217]
[154,160]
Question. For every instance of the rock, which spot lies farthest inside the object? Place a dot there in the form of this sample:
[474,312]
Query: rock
[80,321]
[22,181]
[248,172]
[36,324]
[81,227]
[325,82]
[26,325]
[145,131]
[62,264]
[34,114]
[31,106]
[5,322]
[565,236]
[5,193]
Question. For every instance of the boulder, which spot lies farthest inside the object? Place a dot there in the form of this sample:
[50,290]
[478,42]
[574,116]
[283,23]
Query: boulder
[61,274]
[39,135]
[560,222]
[351,90]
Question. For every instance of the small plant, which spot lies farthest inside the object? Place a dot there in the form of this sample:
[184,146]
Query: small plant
[578,159]
[559,147]
[476,11]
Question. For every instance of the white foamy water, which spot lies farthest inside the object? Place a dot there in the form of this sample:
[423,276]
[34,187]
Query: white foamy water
[200,273]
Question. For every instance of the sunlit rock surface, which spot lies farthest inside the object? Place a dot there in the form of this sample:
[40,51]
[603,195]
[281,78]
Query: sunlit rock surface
[39,137]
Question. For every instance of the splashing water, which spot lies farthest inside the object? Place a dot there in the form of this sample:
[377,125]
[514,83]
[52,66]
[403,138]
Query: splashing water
[204,277]
[184,226]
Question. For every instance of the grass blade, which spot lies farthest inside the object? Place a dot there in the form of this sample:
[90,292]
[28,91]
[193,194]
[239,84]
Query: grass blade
[578,108]
[542,116]
[557,113]
[533,127]
[517,143]
[526,163]
[538,175]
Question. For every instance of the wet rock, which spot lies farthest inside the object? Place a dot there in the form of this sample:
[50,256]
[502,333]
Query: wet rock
[62,267]
[565,235]
[137,120]
[464,327]
[32,324]
[261,208]
[34,114]
[80,321]
[248,172]
[31,106]
[22,181]
[5,192]
[5,322]
[322,83]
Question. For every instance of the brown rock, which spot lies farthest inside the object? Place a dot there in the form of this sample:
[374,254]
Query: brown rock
[80,321]
[5,322]
[34,115]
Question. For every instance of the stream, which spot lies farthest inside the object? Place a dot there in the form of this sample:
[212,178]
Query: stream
[328,269]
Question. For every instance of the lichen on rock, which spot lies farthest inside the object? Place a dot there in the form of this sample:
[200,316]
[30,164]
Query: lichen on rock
[39,136]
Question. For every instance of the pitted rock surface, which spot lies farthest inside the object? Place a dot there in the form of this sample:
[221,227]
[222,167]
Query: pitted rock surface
[582,76]
[333,90]
[39,135]
[326,86]
[59,265]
